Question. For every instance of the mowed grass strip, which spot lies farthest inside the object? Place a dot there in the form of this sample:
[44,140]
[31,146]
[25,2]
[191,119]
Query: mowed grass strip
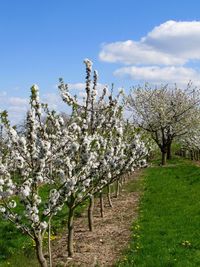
[167,232]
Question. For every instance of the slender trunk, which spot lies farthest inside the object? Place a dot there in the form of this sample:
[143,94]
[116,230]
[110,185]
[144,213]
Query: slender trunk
[101,205]
[39,252]
[164,157]
[117,189]
[90,214]
[169,151]
[49,244]
[70,246]
[109,197]
[124,179]
[191,155]
[197,155]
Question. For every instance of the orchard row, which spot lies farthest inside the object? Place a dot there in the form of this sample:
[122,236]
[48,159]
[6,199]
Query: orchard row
[73,159]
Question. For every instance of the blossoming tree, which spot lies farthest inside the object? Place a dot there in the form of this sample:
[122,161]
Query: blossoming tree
[25,169]
[98,154]
[166,113]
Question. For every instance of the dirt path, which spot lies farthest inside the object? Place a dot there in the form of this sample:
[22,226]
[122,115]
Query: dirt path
[111,235]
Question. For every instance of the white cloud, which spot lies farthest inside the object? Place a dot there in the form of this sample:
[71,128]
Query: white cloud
[156,74]
[177,38]
[17,101]
[171,43]
[16,107]
[82,95]
[131,52]
[52,99]
[3,93]
[72,86]
[6,100]
[76,86]
[81,86]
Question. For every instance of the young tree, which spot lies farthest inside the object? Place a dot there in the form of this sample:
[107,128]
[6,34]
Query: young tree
[25,169]
[98,153]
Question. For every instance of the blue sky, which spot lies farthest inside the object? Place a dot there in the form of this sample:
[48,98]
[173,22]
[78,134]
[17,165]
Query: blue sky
[44,40]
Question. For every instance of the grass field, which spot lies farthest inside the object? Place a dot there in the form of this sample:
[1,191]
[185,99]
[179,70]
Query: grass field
[167,232]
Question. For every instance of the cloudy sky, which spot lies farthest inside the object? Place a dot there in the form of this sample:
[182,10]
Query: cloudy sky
[129,41]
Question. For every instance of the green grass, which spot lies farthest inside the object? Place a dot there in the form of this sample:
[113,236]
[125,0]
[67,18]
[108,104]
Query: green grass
[167,232]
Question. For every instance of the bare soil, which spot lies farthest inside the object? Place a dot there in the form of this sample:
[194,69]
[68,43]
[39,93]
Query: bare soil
[111,235]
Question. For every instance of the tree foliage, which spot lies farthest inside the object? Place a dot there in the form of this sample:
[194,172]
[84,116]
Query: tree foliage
[166,113]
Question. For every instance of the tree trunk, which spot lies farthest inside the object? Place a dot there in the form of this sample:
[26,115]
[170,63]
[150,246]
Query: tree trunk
[124,178]
[49,244]
[109,197]
[101,205]
[197,155]
[169,151]
[191,155]
[90,214]
[117,189]
[164,157]
[39,252]
[70,246]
